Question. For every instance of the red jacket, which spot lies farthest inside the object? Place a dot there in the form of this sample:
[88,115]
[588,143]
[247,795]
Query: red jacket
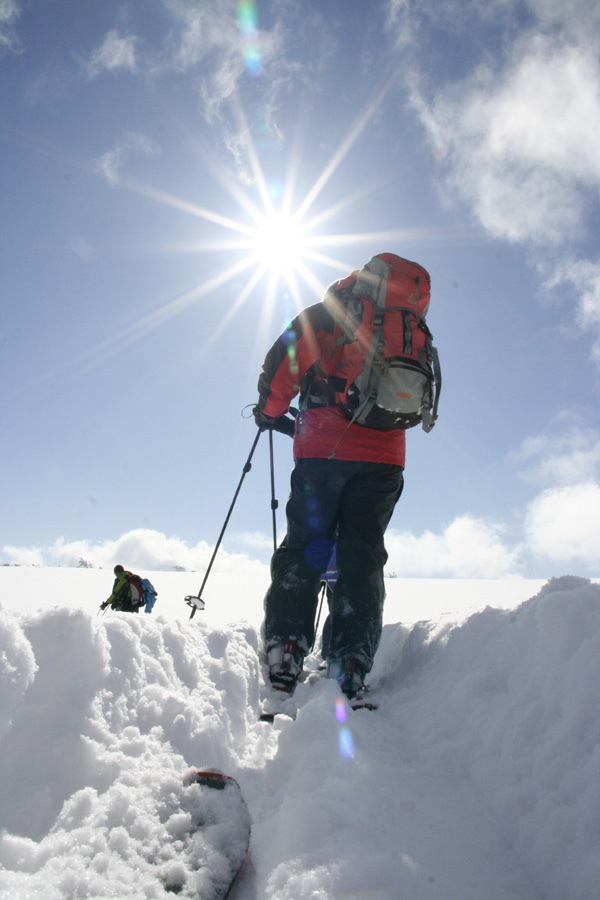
[297,359]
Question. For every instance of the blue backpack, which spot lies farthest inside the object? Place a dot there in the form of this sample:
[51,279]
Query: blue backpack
[149,596]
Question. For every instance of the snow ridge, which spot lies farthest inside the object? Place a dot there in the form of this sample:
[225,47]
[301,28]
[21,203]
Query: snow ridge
[478,777]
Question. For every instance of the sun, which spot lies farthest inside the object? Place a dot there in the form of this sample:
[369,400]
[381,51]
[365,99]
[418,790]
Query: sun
[280,243]
[284,245]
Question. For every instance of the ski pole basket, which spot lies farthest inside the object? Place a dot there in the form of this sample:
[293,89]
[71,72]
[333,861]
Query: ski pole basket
[195,601]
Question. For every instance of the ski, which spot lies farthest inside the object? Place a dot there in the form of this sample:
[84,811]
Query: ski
[286,710]
[281,703]
[271,716]
[363,704]
[200,863]
[354,705]
[281,708]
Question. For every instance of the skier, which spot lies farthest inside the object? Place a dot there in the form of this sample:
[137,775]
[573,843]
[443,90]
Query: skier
[346,480]
[127,592]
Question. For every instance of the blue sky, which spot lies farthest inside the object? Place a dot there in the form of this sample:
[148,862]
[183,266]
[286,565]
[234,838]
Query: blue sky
[147,145]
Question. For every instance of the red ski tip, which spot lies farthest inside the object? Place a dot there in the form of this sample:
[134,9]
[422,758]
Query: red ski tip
[211,778]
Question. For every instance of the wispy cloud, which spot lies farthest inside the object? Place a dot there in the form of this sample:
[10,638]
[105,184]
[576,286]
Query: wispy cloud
[110,163]
[231,58]
[580,277]
[240,60]
[565,456]
[115,54]
[10,10]
[216,33]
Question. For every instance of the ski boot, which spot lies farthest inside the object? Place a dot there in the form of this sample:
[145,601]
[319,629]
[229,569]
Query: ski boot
[285,665]
[348,675]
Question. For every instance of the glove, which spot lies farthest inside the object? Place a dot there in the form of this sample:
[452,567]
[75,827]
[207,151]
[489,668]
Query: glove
[283,424]
[263,422]
[104,605]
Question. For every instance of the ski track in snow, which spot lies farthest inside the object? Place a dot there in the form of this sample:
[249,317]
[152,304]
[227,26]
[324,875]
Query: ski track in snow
[478,778]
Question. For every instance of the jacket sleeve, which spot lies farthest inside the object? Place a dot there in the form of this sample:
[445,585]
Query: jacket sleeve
[118,586]
[289,359]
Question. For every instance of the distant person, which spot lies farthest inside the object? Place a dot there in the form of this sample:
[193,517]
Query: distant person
[130,593]
[349,462]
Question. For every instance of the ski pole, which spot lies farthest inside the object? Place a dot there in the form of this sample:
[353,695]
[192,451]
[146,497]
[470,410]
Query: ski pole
[318,615]
[274,502]
[196,601]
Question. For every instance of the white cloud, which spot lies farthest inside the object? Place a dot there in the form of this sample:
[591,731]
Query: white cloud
[519,138]
[141,549]
[560,459]
[561,528]
[255,540]
[10,10]
[115,54]
[563,525]
[582,276]
[202,29]
[467,548]
[109,164]
[578,18]
[23,556]
[523,140]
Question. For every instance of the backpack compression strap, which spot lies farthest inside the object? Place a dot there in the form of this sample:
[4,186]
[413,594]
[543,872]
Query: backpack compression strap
[430,415]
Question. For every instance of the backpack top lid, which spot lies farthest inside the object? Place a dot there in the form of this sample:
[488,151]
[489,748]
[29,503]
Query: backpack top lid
[342,284]
[389,280]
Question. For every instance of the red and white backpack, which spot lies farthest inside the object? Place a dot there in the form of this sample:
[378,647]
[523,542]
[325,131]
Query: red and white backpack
[384,371]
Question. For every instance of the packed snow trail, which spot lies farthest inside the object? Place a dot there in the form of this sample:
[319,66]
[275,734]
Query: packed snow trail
[387,822]
[478,778]
[401,819]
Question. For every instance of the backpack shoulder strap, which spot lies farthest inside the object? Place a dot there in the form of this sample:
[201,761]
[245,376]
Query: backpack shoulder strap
[373,362]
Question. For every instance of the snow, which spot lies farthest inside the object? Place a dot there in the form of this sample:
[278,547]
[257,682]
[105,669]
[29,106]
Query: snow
[478,778]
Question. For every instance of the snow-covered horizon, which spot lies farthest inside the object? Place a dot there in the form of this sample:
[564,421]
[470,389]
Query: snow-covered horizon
[236,595]
[464,548]
[478,778]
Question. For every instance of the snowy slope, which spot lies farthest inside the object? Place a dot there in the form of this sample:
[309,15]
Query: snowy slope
[477,779]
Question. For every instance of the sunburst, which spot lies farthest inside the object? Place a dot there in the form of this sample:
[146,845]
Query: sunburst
[282,243]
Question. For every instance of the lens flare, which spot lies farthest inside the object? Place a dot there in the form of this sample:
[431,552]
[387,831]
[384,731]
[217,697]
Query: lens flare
[346,742]
[345,739]
[247,17]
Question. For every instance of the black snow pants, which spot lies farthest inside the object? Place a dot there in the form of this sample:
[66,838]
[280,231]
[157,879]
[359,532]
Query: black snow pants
[351,503]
